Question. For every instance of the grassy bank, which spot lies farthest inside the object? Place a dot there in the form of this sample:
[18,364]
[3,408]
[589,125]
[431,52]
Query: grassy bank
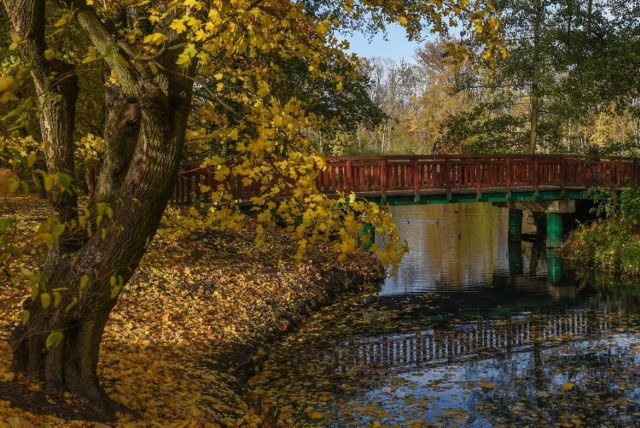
[190,325]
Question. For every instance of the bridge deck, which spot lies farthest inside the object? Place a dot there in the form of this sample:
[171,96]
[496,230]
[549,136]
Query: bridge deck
[444,178]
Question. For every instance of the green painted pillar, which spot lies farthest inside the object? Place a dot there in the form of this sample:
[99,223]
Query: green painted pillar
[515,258]
[367,236]
[554,230]
[515,225]
[554,267]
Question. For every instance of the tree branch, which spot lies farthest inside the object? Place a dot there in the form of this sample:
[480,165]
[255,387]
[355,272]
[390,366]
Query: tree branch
[104,42]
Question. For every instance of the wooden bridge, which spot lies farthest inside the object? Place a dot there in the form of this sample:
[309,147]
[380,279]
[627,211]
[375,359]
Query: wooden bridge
[445,178]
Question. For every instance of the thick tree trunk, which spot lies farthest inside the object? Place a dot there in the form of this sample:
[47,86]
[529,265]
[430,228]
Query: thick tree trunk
[144,136]
[141,199]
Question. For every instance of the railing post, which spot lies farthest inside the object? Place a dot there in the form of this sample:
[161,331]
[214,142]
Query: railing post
[383,177]
[563,173]
[478,177]
[447,173]
[536,173]
[349,176]
[507,172]
[415,176]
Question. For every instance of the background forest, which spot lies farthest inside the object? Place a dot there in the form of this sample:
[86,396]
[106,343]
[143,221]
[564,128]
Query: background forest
[571,80]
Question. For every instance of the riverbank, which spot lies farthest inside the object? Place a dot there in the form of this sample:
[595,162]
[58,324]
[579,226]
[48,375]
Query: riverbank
[191,324]
[609,244]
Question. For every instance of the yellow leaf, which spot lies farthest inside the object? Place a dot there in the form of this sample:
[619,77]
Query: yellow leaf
[25,317]
[568,386]
[31,159]
[155,39]
[153,67]
[178,26]
[92,55]
[315,415]
[48,54]
[60,22]
[6,83]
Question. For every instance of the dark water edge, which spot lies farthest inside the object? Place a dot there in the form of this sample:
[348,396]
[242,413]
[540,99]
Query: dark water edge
[466,334]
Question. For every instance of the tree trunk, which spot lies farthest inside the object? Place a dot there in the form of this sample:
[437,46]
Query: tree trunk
[142,197]
[535,78]
[59,342]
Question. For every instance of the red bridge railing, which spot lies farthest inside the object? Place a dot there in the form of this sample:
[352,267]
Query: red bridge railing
[430,175]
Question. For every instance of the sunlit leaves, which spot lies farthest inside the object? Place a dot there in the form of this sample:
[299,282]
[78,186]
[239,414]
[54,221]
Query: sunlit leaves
[155,38]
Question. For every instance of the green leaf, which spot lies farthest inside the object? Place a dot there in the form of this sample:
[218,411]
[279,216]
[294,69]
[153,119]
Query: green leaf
[84,281]
[71,305]
[48,182]
[115,291]
[65,180]
[14,185]
[53,339]
[25,317]
[58,230]
[57,298]
[45,298]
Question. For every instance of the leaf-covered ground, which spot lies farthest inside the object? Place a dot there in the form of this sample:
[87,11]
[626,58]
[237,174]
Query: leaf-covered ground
[194,319]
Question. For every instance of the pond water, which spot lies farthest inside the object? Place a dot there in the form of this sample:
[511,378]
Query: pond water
[470,331]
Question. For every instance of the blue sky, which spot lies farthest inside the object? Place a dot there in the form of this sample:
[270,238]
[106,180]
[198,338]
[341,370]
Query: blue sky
[396,47]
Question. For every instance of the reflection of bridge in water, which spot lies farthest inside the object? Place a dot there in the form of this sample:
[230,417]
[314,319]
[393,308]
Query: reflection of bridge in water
[471,340]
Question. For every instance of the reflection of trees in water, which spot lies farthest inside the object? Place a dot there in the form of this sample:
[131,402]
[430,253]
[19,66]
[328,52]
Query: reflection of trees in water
[616,298]
[455,253]
[592,382]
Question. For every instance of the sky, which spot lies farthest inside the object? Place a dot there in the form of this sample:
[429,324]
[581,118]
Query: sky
[396,47]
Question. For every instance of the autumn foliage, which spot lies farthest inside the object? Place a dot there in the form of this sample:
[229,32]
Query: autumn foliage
[194,317]
[158,80]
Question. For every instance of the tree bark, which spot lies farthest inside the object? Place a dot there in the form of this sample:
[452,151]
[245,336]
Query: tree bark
[144,137]
[57,89]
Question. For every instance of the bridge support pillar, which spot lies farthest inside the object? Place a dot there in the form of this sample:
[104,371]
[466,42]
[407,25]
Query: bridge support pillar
[554,230]
[515,225]
[554,266]
[367,236]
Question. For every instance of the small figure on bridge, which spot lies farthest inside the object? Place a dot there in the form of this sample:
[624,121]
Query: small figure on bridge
[437,148]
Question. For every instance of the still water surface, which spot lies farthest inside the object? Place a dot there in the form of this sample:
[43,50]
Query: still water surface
[470,331]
